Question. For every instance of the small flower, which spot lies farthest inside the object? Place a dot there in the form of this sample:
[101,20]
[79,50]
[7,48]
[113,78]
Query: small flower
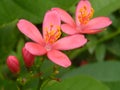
[83,22]
[13,64]
[27,57]
[48,43]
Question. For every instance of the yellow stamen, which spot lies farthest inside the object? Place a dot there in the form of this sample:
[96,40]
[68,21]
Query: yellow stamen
[52,35]
[84,16]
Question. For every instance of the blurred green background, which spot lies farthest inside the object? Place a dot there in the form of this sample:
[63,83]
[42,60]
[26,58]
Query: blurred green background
[101,53]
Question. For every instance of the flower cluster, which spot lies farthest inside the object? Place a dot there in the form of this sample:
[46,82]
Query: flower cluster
[50,42]
[13,62]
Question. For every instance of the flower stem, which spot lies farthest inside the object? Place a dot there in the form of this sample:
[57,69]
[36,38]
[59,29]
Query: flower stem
[39,83]
[40,78]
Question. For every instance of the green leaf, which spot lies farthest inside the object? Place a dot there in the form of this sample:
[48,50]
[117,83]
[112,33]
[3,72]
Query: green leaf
[115,20]
[77,83]
[113,85]
[104,71]
[114,46]
[31,84]
[29,9]
[107,72]
[47,68]
[8,38]
[64,3]
[91,44]
[6,84]
[100,52]
[105,7]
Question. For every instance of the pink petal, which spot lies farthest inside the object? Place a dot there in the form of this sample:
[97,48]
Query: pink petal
[64,16]
[68,29]
[29,30]
[51,22]
[59,58]
[98,23]
[70,42]
[79,6]
[35,49]
[90,31]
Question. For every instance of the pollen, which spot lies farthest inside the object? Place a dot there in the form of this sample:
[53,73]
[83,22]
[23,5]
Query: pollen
[53,34]
[85,15]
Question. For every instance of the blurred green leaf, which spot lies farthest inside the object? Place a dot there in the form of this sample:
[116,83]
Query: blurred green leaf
[76,83]
[8,38]
[29,9]
[47,68]
[31,84]
[100,52]
[64,3]
[7,85]
[113,85]
[105,7]
[115,20]
[107,72]
[104,71]
[114,46]
[91,43]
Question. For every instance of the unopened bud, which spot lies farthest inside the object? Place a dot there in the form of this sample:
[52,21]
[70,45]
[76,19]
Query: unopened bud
[28,58]
[13,64]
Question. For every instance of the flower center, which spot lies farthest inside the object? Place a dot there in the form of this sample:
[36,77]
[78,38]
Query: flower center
[85,15]
[52,34]
[48,47]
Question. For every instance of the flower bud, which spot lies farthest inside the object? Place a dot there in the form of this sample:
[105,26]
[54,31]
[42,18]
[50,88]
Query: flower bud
[13,64]
[28,58]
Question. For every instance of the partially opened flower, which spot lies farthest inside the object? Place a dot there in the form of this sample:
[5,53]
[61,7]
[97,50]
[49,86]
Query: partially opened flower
[48,43]
[83,22]
[27,57]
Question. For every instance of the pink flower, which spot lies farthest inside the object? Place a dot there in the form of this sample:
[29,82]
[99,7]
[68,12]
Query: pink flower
[48,43]
[27,57]
[13,64]
[82,24]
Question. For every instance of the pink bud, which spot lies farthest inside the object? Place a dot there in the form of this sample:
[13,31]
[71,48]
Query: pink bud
[13,64]
[28,58]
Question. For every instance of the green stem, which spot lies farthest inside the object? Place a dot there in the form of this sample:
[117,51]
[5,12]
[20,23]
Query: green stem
[74,53]
[40,79]
[39,83]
